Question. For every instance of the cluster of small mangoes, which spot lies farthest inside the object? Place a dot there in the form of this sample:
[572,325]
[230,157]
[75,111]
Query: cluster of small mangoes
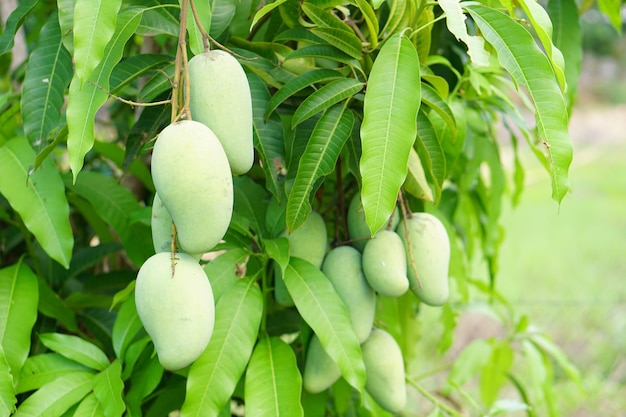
[193,162]
[412,254]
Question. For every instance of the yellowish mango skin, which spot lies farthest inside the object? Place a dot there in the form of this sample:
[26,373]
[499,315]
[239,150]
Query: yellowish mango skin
[384,264]
[430,248]
[320,371]
[178,310]
[358,230]
[193,179]
[384,366]
[220,98]
[343,268]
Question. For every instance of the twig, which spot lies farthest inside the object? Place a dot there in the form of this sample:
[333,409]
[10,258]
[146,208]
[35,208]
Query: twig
[130,102]
[432,399]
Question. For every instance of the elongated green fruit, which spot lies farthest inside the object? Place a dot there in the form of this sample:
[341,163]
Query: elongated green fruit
[428,258]
[320,371]
[358,230]
[220,98]
[343,268]
[177,310]
[161,224]
[384,366]
[192,177]
[384,264]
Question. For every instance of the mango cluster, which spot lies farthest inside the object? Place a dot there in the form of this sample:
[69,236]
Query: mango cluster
[411,254]
[193,162]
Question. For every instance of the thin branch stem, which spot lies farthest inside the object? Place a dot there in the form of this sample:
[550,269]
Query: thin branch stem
[432,399]
[130,102]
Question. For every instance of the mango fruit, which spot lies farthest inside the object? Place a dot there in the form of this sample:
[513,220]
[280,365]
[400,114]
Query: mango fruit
[176,308]
[358,230]
[161,225]
[220,98]
[193,179]
[384,264]
[384,367]
[320,371]
[343,268]
[430,250]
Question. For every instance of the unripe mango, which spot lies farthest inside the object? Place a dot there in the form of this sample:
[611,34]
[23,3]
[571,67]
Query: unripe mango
[192,177]
[384,366]
[343,268]
[358,230]
[220,98]
[176,308]
[384,264]
[320,371]
[430,251]
[161,225]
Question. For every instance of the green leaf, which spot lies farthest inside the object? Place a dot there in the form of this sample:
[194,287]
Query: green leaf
[431,98]
[469,363]
[455,21]
[94,25]
[145,378]
[41,369]
[48,73]
[133,67]
[66,21]
[18,313]
[85,99]
[39,198]
[613,10]
[160,83]
[550,349]
[520,56]
[51,305]
[115,153]
[222,13]
[214,375]
[264,11]
[325,52]
[56,397]
[392,100]
[345,41]
[222,271]
[416,183]
[326,96]
[299,83]
[13,23]
[319,159]
[494,374]
[127,326]
[89,407]
[273,382]
[323,18]
[369,15]
[158,18]
[152,120]
[323,310]
[108,388]
[7,391]
[76,349]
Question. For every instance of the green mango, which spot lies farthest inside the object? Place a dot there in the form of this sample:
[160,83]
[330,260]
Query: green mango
[193,179]
[343,268]
[320,371]
[220,98]
[384,367]
[430,250]
[384,264]
[358,230]
[176,308]
[161,224]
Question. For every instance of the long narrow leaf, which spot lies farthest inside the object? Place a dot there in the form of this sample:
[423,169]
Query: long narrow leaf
[18,313]
[41,369]
[343,40]
[392,100]
[318,160]
[326,96]
[108,388]
[127,326]
[7,391]
[326,52]
[13,23]
[48,73]
[39,198]
[520,56]
[324,18]
[369,15]
[273,382]
[89,407]
[213,377]
[323,310]
[136,66]
[455,21]
[76,349]
[436,103]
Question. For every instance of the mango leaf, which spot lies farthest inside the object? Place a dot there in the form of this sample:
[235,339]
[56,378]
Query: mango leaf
[89,407]
[222,13]
[214,375]
[127,326]
[299,83]
[319,159]
[85,98]
[469,362]
[431,98]
[152,120]
[326,52]
[7,391]
[94,25]
[18,313]
[145,378]
[13,23]
[268,134]
[57,396]
[369,15]
[38,197]
[613,10]
[160,83]
[416,182]
[133,67]
[76,349]
[551,350]
[66,21]
[455,21]
[264,11]
[41,369]
[273,382]
[392,100]
[494,374]
[323,18]
[345,41]
[520,56]
[326,96]
[51,305]
[48,73]
[323,310]
[222,271]
[108,388]
[158,18]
